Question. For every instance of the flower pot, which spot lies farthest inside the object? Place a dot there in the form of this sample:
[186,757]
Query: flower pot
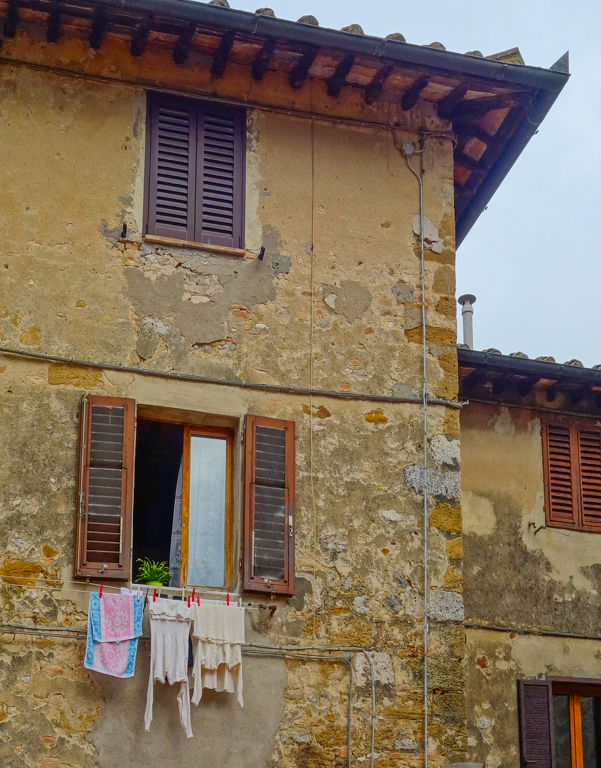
[154,584]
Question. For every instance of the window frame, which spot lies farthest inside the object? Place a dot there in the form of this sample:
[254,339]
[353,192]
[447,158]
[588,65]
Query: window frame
[575,688]
[239,212]
[229,554]
[573,425]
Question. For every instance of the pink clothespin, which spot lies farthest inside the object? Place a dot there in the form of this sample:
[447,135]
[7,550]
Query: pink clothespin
[102,585]
[154,597]
[228,598]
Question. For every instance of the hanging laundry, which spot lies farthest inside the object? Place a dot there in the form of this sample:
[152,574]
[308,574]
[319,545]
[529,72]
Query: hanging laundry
[218,635]
[170,622]
[114,625]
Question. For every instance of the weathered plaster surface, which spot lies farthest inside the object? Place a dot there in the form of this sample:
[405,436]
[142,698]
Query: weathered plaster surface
[71,286]
[519,575]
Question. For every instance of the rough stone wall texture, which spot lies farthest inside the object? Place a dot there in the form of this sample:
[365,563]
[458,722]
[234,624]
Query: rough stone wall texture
[517,574]
[70,286]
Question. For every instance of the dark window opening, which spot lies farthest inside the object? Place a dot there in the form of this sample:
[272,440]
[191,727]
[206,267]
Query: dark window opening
[159,448]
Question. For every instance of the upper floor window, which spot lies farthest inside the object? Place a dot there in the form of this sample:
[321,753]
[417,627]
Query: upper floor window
[195,171]
[572,474]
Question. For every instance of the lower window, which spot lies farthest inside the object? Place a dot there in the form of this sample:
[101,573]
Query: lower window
[577,726]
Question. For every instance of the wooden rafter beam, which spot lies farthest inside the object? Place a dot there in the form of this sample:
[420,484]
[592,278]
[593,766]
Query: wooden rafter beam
[336,82]
[140,36]
[222,53]
[260,64]
[54,22]
[99,25]
[300,71]
[182,46]
[374,89]
[474,379]
[526,386]
[446,105]
[411,96]
[468,162]
[12,18]
[482,106]
[500,383]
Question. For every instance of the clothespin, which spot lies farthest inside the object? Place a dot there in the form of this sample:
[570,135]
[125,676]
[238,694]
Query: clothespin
[198,600]
[183,594]
[154,597]
[193,593]
[239,602]
[139,593]
[188,601]
[102,585]
[228,598]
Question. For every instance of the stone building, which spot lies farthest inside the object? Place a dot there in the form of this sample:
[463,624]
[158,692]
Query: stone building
[225,229]
[531,504]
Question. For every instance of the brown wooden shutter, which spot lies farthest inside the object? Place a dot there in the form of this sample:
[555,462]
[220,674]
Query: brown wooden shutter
[560,464]
[171,175]
[220,185]
[536,723]
[269,506]
[589,446]
[105,483]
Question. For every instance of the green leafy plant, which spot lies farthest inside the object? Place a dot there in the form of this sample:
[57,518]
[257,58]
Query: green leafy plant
[153,572]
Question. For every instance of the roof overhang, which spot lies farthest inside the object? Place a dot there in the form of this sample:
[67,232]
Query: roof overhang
[504,379]
[493,106]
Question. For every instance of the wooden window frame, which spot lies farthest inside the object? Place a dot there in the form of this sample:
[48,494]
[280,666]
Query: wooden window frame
[574,425]
[228,434]
[195,211]
[250,582]
[575,688]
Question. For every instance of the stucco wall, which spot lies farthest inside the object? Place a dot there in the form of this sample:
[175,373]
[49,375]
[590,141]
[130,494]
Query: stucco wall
[74,176]
[518,574]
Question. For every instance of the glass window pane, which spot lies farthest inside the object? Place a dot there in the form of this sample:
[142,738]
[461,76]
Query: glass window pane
[561,716]
[206,528]
[591,752]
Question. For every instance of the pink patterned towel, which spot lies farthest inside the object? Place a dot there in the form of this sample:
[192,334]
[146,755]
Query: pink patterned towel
[114,625]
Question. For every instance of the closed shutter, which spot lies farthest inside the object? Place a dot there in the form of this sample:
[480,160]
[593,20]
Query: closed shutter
[195,177]
[589,445]
[269,506]
[220,207]
[560,488]
[172,167]
[105,482]
[536,723]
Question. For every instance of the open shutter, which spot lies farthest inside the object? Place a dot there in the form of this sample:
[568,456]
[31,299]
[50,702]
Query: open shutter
[104,492]
[269,506]
[536,723]
[560,467]
[589,446]
[171,176]
[221,148]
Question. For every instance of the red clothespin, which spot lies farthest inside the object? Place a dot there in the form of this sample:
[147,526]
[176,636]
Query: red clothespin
[102,585]
[198,600]
[154,597]
[193,593]
[228,598]
[188,601]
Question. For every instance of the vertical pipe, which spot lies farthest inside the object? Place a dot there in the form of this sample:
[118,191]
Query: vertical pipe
[467,313]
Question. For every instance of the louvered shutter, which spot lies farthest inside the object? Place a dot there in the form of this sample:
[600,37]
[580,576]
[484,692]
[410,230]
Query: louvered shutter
[269,506]
[560,468]
[105,482]
[220,178]
[171,177]
[589,445]
[536,723]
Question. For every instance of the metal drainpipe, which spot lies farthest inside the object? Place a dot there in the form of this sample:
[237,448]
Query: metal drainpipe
[467,302]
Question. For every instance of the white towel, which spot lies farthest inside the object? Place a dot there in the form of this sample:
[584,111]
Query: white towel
[217,636]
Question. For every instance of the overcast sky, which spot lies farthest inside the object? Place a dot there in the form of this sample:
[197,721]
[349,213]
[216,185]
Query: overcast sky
[532,259]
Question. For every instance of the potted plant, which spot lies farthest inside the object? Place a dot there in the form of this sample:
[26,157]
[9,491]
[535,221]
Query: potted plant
[153,573]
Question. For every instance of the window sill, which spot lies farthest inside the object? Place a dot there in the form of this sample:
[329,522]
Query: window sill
[175,243]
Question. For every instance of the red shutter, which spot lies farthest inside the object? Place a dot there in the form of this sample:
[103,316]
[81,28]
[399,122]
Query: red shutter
[171,177]
[269,506]
[559,465]
[220,186]
[104,492]
[536,723]
[589,445]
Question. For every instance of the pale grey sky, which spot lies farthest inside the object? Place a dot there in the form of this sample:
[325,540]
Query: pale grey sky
[532,259]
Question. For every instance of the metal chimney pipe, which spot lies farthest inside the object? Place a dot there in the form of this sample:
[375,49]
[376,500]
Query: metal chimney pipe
[467,312]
